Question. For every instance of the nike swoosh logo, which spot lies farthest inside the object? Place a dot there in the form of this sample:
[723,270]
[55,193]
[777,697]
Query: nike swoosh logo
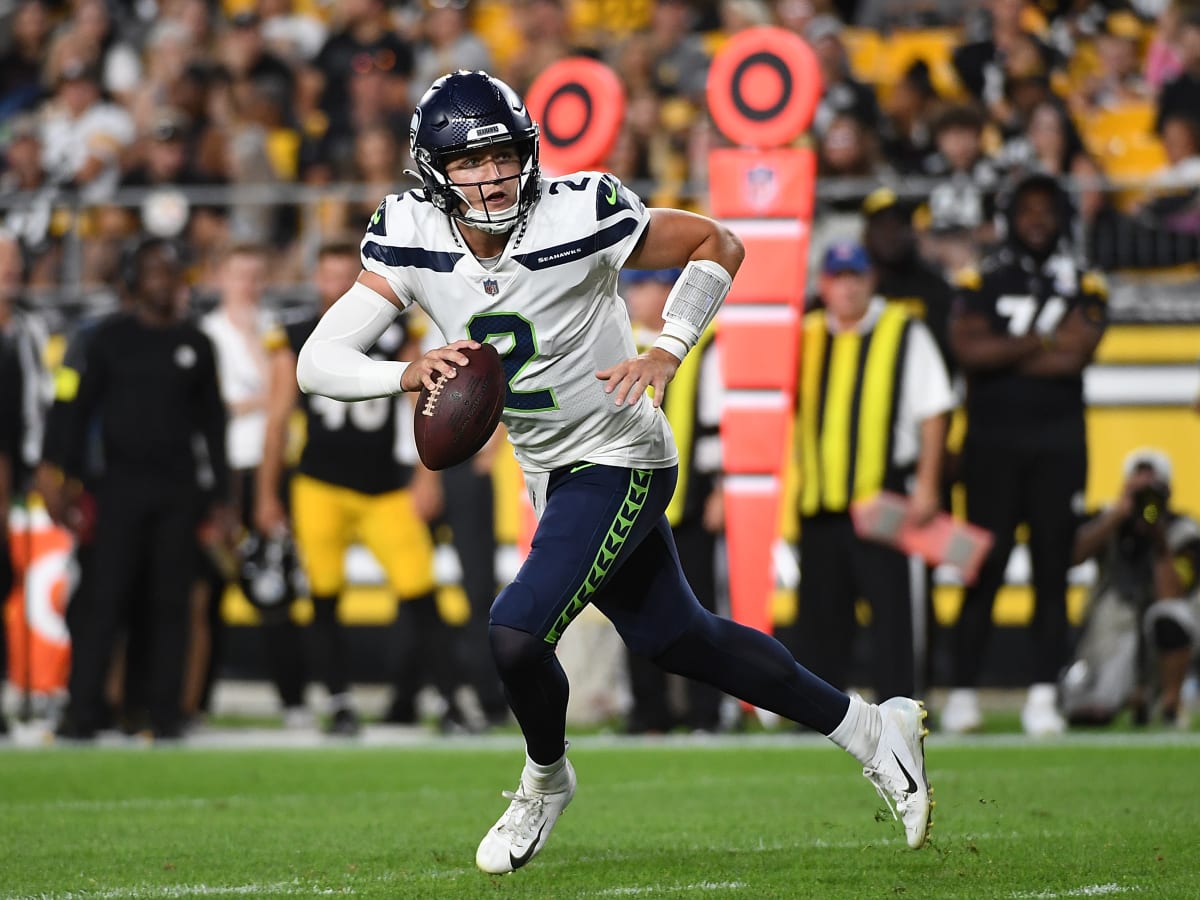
[912,785]
[517,861]
[612,195]
[580,468]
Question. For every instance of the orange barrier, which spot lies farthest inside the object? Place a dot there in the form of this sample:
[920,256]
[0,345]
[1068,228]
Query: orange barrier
[39,648]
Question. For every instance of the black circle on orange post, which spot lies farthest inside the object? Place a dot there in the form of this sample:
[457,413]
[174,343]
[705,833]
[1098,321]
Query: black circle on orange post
[579,105]
[763,88]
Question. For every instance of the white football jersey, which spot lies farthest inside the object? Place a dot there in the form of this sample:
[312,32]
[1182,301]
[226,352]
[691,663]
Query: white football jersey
[549,305]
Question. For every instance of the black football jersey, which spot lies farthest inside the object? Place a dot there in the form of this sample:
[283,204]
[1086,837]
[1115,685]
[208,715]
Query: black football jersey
[356,445]
[1016,297]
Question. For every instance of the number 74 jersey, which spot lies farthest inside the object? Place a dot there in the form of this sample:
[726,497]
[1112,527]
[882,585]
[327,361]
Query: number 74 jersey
[1017,297]
[550,306]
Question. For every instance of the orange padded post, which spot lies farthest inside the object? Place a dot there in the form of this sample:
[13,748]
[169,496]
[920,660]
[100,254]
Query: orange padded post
[763,89]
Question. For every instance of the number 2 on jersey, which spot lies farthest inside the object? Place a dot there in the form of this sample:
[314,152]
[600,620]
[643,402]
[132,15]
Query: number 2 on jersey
[523,351]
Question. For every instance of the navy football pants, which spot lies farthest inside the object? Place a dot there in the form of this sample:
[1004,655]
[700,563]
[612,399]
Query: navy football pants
[603,538]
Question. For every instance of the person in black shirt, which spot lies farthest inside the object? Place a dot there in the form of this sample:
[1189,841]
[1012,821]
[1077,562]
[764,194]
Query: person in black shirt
[901,275]
[1179,95]
[150,379]
[1023,329]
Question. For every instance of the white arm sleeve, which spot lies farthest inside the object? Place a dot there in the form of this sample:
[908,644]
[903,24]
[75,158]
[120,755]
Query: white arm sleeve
[692,305]
[333,361]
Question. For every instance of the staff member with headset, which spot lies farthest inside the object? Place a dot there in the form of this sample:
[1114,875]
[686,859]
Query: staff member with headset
[151,381]
[874,397]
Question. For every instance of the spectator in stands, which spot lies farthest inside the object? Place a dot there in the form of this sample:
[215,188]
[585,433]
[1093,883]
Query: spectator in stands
[244,54]
[83,135]
[962,204]
[150,379]
[28,222]
[906,129]
[1162,63]
[447,44]
[841,92]
[680,60]
[91,29]
[1179,95]
[893,442]
[1118,80]
[981,63]
[291,34]
[21,61]
[888,16]
[1023,328]
[364,43]
[1052,145]
[1174,199]
[1143,621]
[169,53]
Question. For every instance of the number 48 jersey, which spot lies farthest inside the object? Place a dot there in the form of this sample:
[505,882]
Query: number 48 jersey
[549,304]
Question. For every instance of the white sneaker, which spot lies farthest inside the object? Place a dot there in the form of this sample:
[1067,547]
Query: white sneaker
[961,712]
[522,831]
[1040,716]
[897,768]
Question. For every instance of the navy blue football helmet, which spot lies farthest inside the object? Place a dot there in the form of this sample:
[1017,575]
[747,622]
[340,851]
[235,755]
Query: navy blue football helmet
[465,111]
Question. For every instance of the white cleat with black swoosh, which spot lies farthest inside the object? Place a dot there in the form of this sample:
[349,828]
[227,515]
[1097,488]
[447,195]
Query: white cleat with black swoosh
[522,831]
[897,769]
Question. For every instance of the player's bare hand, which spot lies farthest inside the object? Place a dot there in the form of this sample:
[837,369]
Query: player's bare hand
[629,379]
[269,517]
[923,504]
[440,361]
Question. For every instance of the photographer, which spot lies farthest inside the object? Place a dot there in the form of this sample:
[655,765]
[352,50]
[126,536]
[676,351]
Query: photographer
[1143,621]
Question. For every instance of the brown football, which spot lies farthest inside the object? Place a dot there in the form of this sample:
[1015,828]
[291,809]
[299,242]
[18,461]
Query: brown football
[457,417]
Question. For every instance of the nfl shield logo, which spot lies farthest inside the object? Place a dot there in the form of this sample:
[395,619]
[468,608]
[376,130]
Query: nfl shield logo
[761,187]
[491,286]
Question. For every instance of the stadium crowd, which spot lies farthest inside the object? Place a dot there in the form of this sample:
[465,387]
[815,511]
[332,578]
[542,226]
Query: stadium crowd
[229,151]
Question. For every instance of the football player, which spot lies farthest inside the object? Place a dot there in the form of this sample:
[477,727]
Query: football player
[494,252]
[356,480]
[1023,329]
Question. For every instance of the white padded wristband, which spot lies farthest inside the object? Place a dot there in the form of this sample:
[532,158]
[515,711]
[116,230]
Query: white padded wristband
[693,303]
[333,361]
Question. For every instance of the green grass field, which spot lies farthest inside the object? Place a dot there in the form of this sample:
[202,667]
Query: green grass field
[770,816]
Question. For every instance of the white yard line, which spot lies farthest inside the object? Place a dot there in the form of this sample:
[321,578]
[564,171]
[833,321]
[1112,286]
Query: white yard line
[670,889]
[1089,890]
[169,891]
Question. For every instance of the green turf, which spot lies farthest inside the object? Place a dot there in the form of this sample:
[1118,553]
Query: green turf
[756,821]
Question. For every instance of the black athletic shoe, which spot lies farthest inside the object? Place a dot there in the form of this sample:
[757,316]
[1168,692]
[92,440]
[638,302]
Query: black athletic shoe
[344,723]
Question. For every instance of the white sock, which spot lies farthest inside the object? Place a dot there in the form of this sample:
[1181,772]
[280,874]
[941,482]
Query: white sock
[543,778]
[858,734]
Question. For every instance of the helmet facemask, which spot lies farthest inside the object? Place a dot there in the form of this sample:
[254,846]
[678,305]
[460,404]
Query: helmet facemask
[465,201]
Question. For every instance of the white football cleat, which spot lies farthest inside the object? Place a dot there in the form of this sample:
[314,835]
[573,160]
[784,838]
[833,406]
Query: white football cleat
[961,712]
[1040,716]
[897,769]
[522,831]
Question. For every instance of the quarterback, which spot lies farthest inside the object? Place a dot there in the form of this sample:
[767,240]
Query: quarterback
[494,252]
